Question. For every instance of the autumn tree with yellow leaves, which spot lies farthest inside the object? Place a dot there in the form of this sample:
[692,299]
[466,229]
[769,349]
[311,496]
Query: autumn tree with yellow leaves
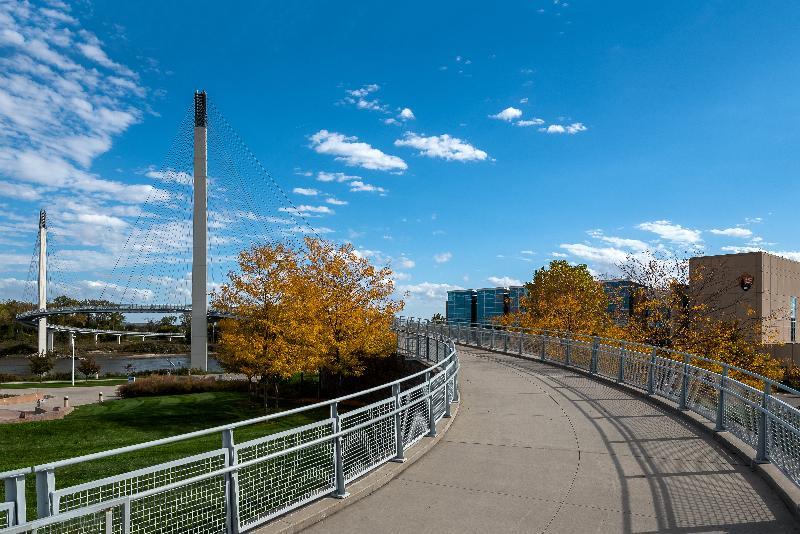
[564,297]
[317,308]
[690,311]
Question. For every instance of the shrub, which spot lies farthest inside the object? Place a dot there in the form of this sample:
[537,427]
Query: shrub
[155,385]
[41,363]
[88,366]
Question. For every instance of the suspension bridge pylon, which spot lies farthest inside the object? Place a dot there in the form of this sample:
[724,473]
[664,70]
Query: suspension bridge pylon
[42,281]
[199,336]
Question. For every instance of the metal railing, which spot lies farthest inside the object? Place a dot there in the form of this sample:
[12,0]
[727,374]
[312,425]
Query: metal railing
[241,485]
[736,400]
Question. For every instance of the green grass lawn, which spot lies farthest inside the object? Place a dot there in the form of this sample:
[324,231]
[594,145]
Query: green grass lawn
[98,427]
[64,384]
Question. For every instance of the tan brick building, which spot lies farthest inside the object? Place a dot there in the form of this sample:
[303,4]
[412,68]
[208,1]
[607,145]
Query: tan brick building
[768,285]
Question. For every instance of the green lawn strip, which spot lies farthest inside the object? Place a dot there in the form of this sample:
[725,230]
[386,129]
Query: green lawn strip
[78,383]
[98,427]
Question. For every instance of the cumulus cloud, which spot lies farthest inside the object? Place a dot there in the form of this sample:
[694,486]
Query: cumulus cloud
[504,281]
[406,114]
[308,192]
[442,146]
[569,129]
[360,98]
[608,256]
[357,186]
[442,257]
[508,114]
[733,232]
[305,209]
[355,153]
[335,201]
[531,122]
[633,244]
[672,232]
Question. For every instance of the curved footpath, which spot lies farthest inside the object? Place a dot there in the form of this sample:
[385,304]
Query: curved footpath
[537,448]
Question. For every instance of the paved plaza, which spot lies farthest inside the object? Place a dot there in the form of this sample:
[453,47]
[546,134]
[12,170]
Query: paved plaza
[537,448]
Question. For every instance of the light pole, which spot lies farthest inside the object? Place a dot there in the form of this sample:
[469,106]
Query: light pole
[72,344]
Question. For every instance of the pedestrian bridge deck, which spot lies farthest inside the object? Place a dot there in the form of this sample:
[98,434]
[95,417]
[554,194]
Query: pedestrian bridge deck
[543,449]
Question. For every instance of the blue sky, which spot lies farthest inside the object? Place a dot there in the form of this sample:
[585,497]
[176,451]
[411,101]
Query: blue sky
[471,143]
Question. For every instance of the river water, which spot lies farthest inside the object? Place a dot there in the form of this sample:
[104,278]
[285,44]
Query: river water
[18,365]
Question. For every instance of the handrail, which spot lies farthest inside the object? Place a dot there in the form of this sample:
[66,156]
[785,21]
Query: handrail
[627,343]
[414,412]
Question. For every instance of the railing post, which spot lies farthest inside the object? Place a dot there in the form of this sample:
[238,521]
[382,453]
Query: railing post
[45,486]
[651,373]
[479,335]
[448,387]
[621,370]
[431,417]
[723,379]
[417,348]
[505,341]
[683,401]
[763,425]
[427,345]
[544,346]
[520,343]
[399,450]
[15,492]
[568,351]
[338,461]
[595,349]
[231,483]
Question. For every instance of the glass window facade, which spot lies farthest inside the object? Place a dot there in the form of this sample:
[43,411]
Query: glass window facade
[515,293]
[491,303]
[793,319]
[461,306]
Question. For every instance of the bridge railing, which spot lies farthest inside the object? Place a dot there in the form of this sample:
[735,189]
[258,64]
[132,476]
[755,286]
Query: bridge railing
[238,486]
[746,404]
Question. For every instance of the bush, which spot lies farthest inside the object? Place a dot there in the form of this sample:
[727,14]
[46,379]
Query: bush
[155,385]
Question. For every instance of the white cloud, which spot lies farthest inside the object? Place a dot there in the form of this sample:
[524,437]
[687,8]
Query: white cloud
[357,186]
[791,255]
[531,122]
[508,114]
[442,146]
[527,252]
[428,290]
[355,153]
[335,201]
[406,114]
[733,232]
[559,255]
[569,129]
[358,97]
[504,281]
[401,276]
[442,257]
[405,262]
[634,244]
[305,209]
[308,192]
[339,177]
[608,256]
[672,232]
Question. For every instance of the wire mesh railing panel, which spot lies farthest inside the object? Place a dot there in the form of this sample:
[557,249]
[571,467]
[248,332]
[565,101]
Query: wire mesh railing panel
[555,349]
[439,393]
[636,369]
[137,481]
[742,411]
[415,415]
[531,345]
[6,514]
[608,361]
[197,507]
[370,446]
[284,482]
[783,438]
[667,378]
[581,355]
[702,396]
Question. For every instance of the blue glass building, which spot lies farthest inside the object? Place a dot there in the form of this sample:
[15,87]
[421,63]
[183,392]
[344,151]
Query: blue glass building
[492,302]
[461,306]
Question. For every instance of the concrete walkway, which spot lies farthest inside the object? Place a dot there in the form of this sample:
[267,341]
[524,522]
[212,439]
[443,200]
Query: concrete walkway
[542,449]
